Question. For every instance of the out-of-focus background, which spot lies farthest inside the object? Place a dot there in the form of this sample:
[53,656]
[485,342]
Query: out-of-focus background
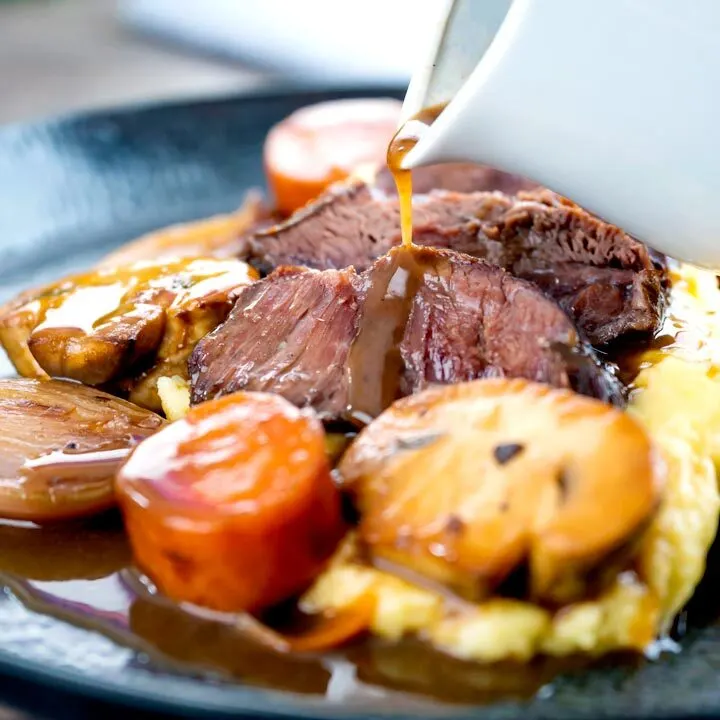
[64,55]
[60,55]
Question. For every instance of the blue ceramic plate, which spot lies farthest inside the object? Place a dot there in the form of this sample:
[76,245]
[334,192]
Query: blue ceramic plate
[71,189]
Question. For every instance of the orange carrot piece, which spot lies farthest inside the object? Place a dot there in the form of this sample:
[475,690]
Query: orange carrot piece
[324,143]
[233,507]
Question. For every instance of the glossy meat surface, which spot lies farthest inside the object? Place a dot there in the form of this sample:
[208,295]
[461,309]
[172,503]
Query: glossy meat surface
[605,279]
[349,344]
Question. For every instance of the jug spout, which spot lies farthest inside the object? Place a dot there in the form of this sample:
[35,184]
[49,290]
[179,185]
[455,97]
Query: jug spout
[460,35]
[611,104]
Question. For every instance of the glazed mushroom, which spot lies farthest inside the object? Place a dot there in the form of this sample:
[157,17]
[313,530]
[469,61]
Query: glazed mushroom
[127,325]
[466,484]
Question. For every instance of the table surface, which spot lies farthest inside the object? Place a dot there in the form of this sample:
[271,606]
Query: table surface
[64,55]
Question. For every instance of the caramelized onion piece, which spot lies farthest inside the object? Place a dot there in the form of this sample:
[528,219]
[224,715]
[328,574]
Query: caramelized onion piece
[61,444]
[467,483]
[232,507]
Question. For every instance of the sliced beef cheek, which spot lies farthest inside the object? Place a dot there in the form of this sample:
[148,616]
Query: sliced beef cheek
[290,334]
[603,278]
[348,344]
[459,177]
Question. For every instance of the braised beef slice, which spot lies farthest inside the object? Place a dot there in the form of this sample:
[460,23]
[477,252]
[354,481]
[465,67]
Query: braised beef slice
[289,334]
[510,330]
[349,344]
[459,177]
[603,278]
[351,225]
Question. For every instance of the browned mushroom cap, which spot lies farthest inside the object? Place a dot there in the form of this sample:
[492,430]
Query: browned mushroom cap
[466,483]
[61,444]
[190,318]
[221,236]
[100,326]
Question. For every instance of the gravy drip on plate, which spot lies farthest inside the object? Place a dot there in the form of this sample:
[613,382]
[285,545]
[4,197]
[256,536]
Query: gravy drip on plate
[404,141]
[71,584]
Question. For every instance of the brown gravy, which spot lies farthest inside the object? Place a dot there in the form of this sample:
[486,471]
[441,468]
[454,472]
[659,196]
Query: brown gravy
[375,362]
[78,574]
[84,302]
[404,141]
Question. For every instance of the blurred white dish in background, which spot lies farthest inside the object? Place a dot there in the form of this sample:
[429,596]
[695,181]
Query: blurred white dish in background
[322,40]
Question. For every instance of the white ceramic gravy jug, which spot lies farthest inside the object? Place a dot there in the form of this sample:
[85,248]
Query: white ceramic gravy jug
[612,103]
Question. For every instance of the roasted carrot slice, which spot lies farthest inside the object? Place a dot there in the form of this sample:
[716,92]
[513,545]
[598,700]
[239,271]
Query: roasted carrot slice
[233,507]
[324,143]
[328,631]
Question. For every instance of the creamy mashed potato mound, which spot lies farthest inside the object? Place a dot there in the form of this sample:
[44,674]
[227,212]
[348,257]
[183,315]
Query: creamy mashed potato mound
[677,397]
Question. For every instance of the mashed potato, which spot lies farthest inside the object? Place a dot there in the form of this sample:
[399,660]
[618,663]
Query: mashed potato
[677,397]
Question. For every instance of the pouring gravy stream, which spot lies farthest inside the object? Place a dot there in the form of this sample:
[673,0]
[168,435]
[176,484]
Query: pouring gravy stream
[375,360]
[404,141]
